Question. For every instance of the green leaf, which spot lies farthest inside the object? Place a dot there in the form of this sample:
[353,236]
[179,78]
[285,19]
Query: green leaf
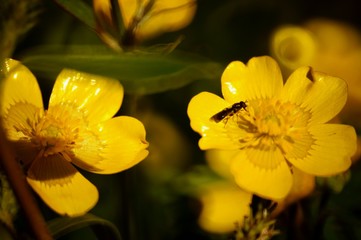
[80,10]
[139,72]
[102,228]
[196,178]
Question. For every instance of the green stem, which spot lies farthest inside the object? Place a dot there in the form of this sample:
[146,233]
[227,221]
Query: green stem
[22,191]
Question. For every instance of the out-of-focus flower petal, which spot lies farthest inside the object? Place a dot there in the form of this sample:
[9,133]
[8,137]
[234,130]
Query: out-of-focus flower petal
[331,151]
[224,205]
[303,186]
[356,157]
[106,25]
[113,146]
[130,9]
[335,37]
[159,17]
[97,98]
[260,79]
[19,87]
[61,186]
[103,12]
[262,172]
[293,46]
[168,156]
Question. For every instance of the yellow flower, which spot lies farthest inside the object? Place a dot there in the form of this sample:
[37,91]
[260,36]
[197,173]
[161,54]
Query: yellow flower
[224,205]
[293,47]
[144,19]
[282,127]
[77,128]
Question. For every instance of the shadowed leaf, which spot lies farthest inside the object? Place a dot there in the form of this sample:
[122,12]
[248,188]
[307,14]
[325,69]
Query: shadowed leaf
[102,228]
[140,72]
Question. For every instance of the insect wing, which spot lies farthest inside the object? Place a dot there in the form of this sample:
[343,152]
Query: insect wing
[221,115]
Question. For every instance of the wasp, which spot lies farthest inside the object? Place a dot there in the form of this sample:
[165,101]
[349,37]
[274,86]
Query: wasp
[229,112]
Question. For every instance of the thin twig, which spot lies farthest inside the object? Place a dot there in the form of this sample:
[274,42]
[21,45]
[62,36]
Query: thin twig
[22,191]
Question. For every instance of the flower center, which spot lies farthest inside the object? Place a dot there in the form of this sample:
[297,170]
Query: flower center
[54,135]
[53,132]
[268,124]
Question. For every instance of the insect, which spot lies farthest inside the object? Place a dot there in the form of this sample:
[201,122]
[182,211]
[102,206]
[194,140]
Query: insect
[229,112]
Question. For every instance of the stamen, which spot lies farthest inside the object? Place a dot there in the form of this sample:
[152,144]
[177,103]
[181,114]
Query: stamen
[52,132]
[267,124]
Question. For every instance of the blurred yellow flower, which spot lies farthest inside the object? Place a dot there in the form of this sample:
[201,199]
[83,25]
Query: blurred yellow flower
[323,44]
[303,186]
[327,46]
[224,206]
[293,47]
[77,128]
[282,127]
[144,19]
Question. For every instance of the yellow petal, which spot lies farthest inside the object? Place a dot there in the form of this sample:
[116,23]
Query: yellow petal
[300,143]
[297,86]
[261,78]
[224,205]
[103,12]
[163,16]
[96,97]
[61,186]
[18,86]
[113,146]
[331,152]
[129,10]
[19,125]
[324,96]
[20,120]
[220,160]
[262,172]
[106,26]
[214,135]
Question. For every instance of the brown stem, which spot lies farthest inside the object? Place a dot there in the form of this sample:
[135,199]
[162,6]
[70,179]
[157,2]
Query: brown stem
[22,191]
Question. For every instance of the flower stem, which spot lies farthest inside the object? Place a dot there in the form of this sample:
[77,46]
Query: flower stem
[22,191]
